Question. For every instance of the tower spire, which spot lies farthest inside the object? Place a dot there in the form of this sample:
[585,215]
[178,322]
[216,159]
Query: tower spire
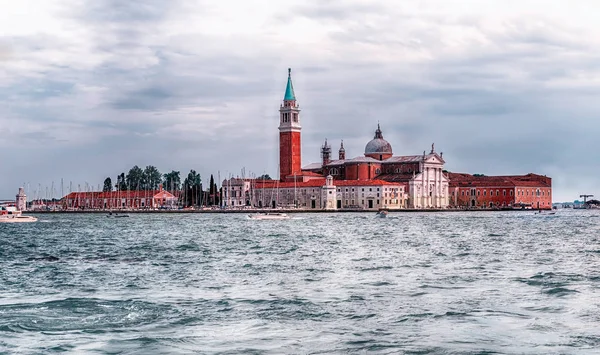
[289,89]
[378,133]
[342,152]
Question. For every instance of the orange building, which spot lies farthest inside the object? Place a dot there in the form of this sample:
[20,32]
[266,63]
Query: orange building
[515,191]
[150,199]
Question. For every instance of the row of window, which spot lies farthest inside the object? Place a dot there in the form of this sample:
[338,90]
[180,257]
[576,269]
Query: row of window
[474,192]
[537,192]
[285,117]
[336,171]
[478,192]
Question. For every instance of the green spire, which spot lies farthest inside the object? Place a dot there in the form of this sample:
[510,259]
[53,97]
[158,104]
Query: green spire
[289,89]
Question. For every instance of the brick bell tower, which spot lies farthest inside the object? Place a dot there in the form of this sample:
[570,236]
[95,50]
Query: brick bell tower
[290,158]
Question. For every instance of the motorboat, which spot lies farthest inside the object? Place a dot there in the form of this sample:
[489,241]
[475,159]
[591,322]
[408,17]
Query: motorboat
[382,214]
[8,215]
[269,216]
[116,215]
[546,213]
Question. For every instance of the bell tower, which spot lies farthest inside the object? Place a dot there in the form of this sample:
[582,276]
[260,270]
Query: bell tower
[290,156]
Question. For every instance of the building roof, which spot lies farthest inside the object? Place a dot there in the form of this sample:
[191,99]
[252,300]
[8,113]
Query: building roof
[121,194]
[313,166]
[468,180]
[378,145]
[289,89]
[399,159]
[274,184]
[396,177]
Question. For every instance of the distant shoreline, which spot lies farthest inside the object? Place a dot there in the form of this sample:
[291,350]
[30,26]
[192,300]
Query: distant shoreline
[273,211]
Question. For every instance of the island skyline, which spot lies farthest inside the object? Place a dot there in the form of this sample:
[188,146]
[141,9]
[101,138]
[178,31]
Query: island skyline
[163,87]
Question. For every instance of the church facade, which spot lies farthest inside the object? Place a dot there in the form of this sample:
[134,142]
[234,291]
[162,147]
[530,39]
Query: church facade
[377,179]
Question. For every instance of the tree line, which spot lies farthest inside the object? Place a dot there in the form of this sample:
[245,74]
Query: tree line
[190,191]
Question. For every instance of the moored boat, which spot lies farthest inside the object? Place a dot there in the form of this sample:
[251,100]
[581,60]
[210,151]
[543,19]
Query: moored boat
[271,215]
[14,216]
[382,214]
[116,215]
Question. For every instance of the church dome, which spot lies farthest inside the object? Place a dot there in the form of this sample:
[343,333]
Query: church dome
[378,145]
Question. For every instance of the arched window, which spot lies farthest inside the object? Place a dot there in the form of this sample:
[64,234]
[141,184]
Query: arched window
[378,171]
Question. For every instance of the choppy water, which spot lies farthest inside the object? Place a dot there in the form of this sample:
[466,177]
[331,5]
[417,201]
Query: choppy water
[431,283]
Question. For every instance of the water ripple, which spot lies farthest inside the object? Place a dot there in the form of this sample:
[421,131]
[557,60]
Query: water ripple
[415,283]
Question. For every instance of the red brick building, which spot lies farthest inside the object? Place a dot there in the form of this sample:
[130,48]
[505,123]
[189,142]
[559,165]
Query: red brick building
[514,191]
[120,200]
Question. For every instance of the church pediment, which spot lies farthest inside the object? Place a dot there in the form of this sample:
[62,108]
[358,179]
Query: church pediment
[434,159]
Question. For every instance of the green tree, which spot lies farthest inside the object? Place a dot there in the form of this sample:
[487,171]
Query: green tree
[264,177]
[121,184]
[135,178]
[151,178]
[192,187]
[212,191]
[172,181]
[107,185]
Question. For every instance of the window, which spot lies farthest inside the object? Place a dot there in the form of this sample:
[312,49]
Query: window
[370,189]
[484,192]
[377,201]
[378,194]
[503,192]
[378,189]
[295,117]
[497,192]
[363,189]
[478,193]
[511,192]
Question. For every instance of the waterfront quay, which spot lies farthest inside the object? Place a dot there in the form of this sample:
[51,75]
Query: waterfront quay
[280,210]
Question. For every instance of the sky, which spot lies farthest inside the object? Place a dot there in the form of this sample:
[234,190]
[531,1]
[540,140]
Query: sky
[89,88]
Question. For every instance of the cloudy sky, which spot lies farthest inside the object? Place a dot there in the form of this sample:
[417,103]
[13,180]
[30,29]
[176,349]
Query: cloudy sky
[89,88]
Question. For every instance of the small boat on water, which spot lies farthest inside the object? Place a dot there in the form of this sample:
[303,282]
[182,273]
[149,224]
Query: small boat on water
[8,215]
[382,213]
[116,215]
[546,213]
[271,215]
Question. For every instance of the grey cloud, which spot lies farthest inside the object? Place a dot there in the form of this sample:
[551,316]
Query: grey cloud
[115,11]
[489,108]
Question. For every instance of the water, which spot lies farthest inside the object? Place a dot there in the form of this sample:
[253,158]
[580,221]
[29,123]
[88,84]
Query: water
[414,283]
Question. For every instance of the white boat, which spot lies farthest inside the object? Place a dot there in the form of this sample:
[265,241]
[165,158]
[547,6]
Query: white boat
[13,216]
[382,214]
[547,213]
[269,216]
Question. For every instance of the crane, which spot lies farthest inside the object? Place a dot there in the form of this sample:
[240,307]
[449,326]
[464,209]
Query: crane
[585,197]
